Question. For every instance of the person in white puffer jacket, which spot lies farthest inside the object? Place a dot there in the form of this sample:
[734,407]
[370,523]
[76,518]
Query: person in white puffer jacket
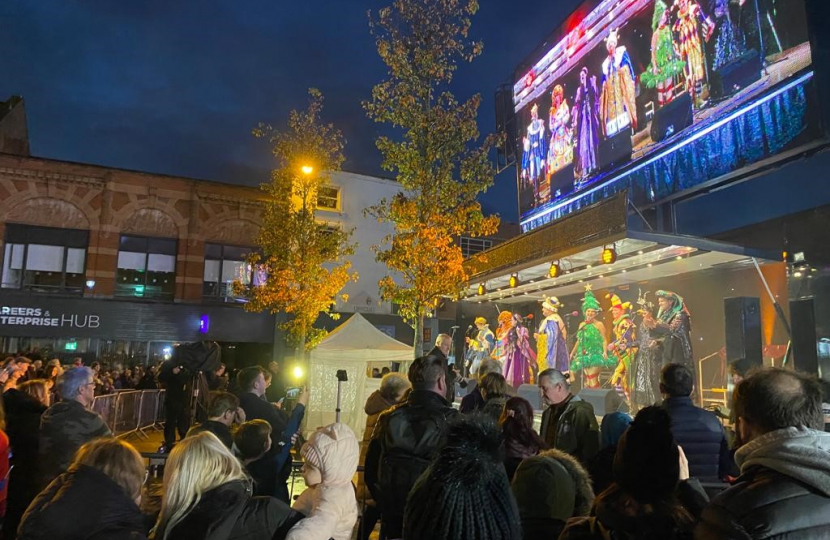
[331,456]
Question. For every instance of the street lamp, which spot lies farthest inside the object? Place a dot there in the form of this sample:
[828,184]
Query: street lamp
[307,169]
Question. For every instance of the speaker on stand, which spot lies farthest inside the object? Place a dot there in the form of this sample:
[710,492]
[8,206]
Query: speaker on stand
[744,342]
[805,341]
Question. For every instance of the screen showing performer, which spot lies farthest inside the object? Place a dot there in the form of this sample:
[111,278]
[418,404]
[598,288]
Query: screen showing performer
[630,78]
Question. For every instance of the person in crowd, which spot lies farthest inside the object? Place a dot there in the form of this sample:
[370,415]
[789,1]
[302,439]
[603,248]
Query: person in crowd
[175,380]
[384,371]
[698,432]
[464,494]
[568,423]
[217,380]
[784,456]
[329,504]
[268,480]
[473,401]
[77,361]
[494,390]
[375,373]
[276,391]
[406,439]
[37,367]
[392,389]
[441,350]
[17,368]
[24,407]
[643,500]
[97,498]
[613,425]
[224,411]
[520,440]
[207,496]
[252,441]
[147,380]
[550,489]
[68,424]
[4,463]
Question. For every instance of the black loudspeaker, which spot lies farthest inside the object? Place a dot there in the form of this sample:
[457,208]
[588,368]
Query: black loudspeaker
[805,342]
[737,74]
[531,393]
[744,344]
[672,118]
[616,150]
[595,398]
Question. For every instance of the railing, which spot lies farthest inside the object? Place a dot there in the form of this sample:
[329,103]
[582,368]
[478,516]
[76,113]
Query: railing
[130,412]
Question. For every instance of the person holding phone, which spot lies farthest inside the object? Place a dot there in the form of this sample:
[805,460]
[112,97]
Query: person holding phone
[224,412]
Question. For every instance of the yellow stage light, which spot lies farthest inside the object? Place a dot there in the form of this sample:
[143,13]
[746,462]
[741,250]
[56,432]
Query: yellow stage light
[555,270]
[298,372]
[482,289]
[609,255]
[514,281]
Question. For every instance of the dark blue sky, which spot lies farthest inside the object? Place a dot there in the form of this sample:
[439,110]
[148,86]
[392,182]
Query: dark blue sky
[175,87]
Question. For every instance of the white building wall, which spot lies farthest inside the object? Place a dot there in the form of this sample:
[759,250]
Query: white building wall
[358,192]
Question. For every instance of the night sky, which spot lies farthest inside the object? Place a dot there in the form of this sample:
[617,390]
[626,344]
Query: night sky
[175,87]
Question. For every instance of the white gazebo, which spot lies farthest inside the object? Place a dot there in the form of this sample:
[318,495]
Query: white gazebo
[351,346]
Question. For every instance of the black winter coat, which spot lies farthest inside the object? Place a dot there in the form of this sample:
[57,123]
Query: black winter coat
[702,437]
[571,426]
[764,503]
[229,512]
[405,440]
[83,503]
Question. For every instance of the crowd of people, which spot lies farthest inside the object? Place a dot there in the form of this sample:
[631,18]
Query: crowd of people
[429,470]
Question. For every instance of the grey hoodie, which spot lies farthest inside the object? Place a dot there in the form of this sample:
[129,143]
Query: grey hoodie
[800,453]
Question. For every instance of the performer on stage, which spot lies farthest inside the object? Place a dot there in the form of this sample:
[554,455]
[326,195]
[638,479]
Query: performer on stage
[691,21]
[499,350]
[586,127]
[561,144]
[536,149]
[617,108]
[624,347]
[590,352]
[551,340]
[673,328]
[519,356]
[665,65]
[729,40]
[481,347]
[645,370]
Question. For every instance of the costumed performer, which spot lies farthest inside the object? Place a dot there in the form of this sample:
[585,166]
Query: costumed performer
[645,370]
[691,21]
[673,328]
[536,150]
[561,143]
[481,347]
[499,350]
[617,107]
[624,346]
[590,351]
[665,65]
[519,355]
[586,127]
[551,340]
[729,40]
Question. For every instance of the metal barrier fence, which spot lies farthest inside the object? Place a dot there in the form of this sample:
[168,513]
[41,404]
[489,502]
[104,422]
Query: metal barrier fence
[130,412]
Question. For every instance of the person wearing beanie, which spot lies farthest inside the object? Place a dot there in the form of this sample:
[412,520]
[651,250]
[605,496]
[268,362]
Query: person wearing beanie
[331,455]
[464,494]
[643,501]
[550,489]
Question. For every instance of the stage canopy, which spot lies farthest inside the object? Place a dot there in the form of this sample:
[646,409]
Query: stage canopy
[351,346]
[576,244]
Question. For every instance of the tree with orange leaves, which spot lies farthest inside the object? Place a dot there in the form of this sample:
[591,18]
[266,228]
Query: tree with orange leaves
[304,260]
[438,160]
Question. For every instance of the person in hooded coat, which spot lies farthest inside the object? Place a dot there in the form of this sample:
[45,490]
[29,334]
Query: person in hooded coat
[96,499]
[550,489]
[331,455]
[208,496]
[520,440]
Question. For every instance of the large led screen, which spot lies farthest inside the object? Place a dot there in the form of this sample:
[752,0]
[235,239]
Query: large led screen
[633,78]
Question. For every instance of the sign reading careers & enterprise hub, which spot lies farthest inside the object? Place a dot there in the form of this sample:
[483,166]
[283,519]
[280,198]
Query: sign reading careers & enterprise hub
[31,316]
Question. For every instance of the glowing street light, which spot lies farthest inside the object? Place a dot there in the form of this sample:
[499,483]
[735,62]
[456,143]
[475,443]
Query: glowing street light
[307,169]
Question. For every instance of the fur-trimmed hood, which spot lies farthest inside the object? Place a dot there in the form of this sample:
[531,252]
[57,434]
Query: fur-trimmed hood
[552,485]
[584,488]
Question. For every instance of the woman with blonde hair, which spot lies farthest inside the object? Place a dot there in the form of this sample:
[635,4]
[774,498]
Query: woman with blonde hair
[97,498]
[207,496]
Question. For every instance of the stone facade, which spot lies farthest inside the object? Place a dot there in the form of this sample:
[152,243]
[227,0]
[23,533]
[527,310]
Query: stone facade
[109,202]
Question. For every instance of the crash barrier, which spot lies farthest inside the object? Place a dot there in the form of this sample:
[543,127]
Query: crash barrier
[129,412]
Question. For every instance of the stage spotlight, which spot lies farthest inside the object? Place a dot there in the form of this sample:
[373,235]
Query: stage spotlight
[609,255]
[482,289]
[555,270]
[514,281]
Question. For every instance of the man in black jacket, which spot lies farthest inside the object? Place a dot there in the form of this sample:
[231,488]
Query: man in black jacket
[224,411]
[175,380]
[697,431]
[406,439]
[784,487]
[569,423]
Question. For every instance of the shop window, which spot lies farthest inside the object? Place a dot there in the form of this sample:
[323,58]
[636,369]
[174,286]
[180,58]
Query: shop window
[44,259]
[223,266]
[146,268]
[328,198]
[471,246]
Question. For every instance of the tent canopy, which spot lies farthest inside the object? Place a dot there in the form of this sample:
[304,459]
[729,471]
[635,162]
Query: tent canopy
[351,346]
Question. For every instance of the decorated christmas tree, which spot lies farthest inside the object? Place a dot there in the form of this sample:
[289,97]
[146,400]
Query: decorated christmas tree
[665,63]
[589,340]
